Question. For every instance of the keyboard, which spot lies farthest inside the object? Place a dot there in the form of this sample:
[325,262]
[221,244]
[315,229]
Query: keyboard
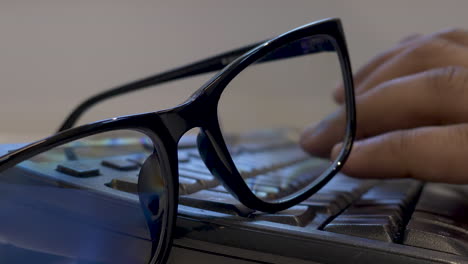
[348,220]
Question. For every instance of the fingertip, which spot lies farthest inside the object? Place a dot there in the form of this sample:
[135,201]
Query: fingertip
[360,162]
[309,139]
[336,150]
[376,158]
[319,139]
[338,94]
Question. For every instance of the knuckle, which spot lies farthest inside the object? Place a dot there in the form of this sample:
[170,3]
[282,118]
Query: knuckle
[425,49]
[451,32]
[398,143]
[398,146]
[381,56]
[459,135]
[451,79]
[443,87]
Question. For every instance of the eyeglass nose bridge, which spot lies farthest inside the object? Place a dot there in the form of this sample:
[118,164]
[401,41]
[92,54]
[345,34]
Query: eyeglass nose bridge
[199,112]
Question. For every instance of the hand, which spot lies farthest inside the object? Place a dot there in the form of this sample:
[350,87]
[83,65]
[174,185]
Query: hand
[412,113]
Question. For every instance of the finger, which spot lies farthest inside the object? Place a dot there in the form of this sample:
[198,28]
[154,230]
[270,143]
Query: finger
[361,75]
[432,54]
[457,36]
[410,38]
[429,153]
[435,97]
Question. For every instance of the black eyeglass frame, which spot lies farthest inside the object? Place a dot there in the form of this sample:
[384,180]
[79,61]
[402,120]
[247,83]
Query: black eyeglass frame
[166,127]
[212,146]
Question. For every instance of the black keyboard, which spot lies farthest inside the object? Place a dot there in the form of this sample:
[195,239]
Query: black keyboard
[348,220]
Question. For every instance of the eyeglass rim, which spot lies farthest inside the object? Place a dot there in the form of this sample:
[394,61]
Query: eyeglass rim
[148,124]
[211,92]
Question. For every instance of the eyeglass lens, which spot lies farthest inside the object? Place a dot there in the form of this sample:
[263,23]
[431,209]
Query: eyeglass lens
[264,110]
[66,205]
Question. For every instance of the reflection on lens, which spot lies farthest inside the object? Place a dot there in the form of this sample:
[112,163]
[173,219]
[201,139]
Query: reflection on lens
[78,203]
[265,108]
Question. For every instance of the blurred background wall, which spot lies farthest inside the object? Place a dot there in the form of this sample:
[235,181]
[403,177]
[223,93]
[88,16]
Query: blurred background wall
[53,54]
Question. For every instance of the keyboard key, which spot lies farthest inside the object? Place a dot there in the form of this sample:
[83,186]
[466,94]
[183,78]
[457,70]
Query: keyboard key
[444,199]
[78,169]
[188,185]
[354,188]
[138,159]
[337,195]
[270,190]
[264,180]
[328,207]
[191,153]
[375,227]
[183,156]
[392,211]
[298,215]
[326,203]
[196,166]
[219,188]
[380,221]
[437,233]
[206,181]
[196,175]
[121,164]
[215,201]
[440,221]
[125,184]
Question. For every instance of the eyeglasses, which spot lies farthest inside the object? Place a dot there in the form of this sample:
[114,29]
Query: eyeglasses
[61,215]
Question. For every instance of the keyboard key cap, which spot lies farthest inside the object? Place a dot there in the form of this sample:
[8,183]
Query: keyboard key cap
[125,184]
[215,201]
[392,211]
[328,207]
[340,198]
[353,187]
[196,166]
[205,181]
[196,175]
[337,195]
[369,219]
[183,156]
[138,159]
[121,164]
[440,221]
[376,227]
[264,188]
[187,181]
[188,185]
[298,215]
[78,169]
[403,190]
[437,233]
[219,188]
[446,200]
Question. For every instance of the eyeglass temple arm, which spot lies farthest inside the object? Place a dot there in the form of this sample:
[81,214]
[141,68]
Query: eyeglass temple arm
[214,63]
